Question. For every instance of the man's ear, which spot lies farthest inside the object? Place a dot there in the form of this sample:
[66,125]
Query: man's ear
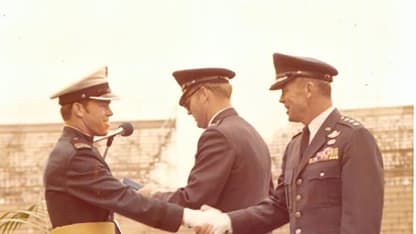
[78,109]
[309,86]
[204,93]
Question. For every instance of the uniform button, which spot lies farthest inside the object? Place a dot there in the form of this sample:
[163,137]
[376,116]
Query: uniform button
[298,197]
[298,214]
[299,181]
[321,174]
[298,231]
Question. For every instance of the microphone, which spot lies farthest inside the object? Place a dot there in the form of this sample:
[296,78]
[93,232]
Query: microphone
[125,129]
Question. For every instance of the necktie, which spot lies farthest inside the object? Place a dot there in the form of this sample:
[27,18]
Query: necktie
[304,140]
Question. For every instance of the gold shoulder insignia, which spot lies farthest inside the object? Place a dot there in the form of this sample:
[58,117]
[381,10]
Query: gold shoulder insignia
[79,144]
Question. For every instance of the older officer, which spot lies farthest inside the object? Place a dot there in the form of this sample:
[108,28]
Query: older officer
[81,194]
[332,175]
[232,167]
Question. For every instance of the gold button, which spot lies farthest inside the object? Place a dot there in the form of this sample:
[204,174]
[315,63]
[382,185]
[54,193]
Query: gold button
[322,173]
[299,181]
[298,231]
[298,214]
[298,197]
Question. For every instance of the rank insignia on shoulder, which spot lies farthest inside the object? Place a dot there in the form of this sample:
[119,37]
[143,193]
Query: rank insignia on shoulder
[327,154]
[79,144]
[350,121]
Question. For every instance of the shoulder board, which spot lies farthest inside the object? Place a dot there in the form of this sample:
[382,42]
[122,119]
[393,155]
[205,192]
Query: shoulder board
[348,121]
[78,144]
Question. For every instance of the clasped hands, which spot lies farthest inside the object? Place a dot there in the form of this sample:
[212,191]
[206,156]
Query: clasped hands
[208,220]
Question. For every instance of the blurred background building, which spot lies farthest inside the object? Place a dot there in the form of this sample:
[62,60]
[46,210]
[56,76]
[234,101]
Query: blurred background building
[146,157]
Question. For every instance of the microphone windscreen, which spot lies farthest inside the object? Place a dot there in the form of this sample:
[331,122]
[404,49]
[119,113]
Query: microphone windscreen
[127,129]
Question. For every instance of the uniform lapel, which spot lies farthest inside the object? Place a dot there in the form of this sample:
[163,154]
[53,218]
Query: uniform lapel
[319,140]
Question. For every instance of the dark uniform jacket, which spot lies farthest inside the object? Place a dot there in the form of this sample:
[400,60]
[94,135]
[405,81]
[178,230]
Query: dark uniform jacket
[80,188]
[232,167]
[336,187]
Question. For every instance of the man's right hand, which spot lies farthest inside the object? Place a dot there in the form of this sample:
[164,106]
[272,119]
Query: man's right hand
[207,221]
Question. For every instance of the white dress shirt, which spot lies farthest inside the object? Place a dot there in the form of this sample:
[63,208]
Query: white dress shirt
[317,122]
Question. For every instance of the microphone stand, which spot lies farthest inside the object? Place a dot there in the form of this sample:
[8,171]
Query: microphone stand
[108,144]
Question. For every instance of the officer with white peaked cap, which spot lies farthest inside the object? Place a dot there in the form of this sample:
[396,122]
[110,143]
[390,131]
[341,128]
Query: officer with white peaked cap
[81,194]
[94,86]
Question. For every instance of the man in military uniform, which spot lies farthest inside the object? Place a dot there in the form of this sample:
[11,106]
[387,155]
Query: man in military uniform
[332,174]
[81,194]
[232,167]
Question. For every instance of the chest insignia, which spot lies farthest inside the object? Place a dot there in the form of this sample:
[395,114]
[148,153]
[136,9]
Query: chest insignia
[334,134]
[331,142]
[328,153]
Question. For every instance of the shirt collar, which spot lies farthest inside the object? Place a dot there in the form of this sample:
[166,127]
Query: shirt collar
[216,114]
[317,122]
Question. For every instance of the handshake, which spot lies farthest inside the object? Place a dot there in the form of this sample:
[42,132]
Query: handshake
[208,220]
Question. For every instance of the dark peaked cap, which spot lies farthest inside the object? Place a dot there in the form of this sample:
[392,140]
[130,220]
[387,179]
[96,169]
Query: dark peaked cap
[193,77]
[290,67]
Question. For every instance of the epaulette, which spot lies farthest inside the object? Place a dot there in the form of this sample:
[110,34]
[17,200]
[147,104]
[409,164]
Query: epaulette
[350,122]
[79,144]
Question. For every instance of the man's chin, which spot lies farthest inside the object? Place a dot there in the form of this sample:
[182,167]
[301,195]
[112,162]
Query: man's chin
[291,119]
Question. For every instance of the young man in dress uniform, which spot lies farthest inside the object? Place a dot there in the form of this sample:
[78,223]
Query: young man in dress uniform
[232,167]
[332,177]
[81,194]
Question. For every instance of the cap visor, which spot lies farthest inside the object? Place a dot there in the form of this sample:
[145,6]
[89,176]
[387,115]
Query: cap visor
[105,97]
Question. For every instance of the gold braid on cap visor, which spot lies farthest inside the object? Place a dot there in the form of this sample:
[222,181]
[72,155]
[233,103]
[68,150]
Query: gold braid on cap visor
[294,74]
[93,91]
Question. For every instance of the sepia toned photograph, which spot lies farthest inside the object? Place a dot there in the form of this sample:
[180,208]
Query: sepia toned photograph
[243,117]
